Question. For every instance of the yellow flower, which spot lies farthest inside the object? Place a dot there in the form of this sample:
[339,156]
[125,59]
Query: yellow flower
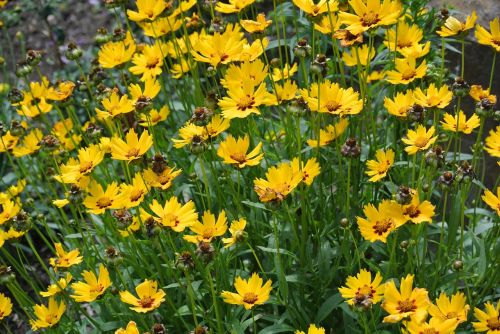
[361,291]
[280,181]
[237,230]
[65,259]
[114,105]
[161,26]
[328,24]
[285,92]
[323,6]
[8,142]
[88,159]
[63,90]
[247,72]
[492,200]
[47,316]
[175,215]
[489,38]
[478,94]
[407,303]
[244,100]
[113,54]
[433,326]
[151,89]
[9,210]
[433,96]
[308,171]
[30,144]
[408,36]
[149,62]
[208,228]
[10,234]
[190,133]
[60,203]
[153,116]
[285,73]
[331,98]
[446,308]
[234,6]
[98,200]
[312,330]
[234,151]
[34,100]
[256,26]
[163,179]
[5,306]
[418,212]
[419,140]
[183,66]
[358,55]
[489,320]
[492,143]
[150,297]
[378,169]
[331,133]
[380,222]
[62,130]
[406,71]
[147,10]
[93,287]
[370,15]
[55,288]
[250,292]
[215,127]
[252,51]
[451,123]
[133,147]
[453,27]
[130,329]
[131,195]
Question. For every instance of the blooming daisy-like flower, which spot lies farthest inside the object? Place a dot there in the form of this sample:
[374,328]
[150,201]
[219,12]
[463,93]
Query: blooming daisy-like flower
[329,134]
[234,6]
[489,319]
[331,98]
[147,10]
[492,142]
[216,126]
[98,199]
[280,181]
[492,200]
[189,134]
[379,223]
[234,152]
[154,116]
[418,212]
[361,291]
[114,105]
[244,100]
[433,97]
[250,292]
[149,297]
[407,303]
[285,73]
[151,89]
[460,123]
[433,326]
[35,99]
[453,27]
[5,306]
[47,317]
[58,287]
[161,26]
[489,38]
[133,147]
[406,71]
[419,140]
[257,26]
[285,92]
[8,142]
[163,179]
[130,329]
[113,54]
[209,228]
[65,259]
[329,24]
[454,308]
[323,6]
[312,330]
[308,171]
[62,91]
[131,195]
[408,36]
[478,94]
[93,287]
[30,144]
[252,51]
[175,215]
[247,72]
[149,62]
[378,168]
[9,210]
[358,56]
[237,230]
[370,15]
[10,234]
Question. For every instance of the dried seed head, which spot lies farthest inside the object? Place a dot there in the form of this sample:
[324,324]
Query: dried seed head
[159,163]
[73,52]
[34,57]
[416,113]
[446,180]
[16,128]
[201,116]
[403,196]
[205,251]
[198,145]
[435,156]
[15,96]
[184,261]
[123,216]
[50,142]
[199,330]
[460,87]
[302,49]
[350,149]
[159,329]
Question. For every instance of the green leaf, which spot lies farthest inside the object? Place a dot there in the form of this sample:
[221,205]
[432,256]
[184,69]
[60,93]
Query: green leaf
[327,307]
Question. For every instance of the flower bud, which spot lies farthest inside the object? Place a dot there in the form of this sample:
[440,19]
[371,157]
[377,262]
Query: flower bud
[23,69]
[33,57]
[16,128]
[6,274]
[302,49]
[458,265]
[460,87]
[350,148]
[435,156]
[102,36]
[446,180]
[15,96]
[201,116]
[404,195]
[73,52]
[198,145]
[205,251]
[184,261]
[344,223]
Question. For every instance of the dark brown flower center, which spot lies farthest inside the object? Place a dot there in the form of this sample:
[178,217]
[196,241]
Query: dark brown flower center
[250,298]
[370,19]
[493,323]
[382,226]
[246,102]
[146,302]
[406,305]
[103,202]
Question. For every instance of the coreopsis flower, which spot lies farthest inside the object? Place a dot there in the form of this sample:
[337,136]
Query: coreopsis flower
[5,306]
[163,179]
[92,287]
[409,303]
[219,48]
[419,140]
[433,326]
[114,105]
[308,171]
[130,329]
[88,158]
[35,99]
[454,308]
[47,317]
[347,38]
[323,6]
[62,91]
[182,67]
[246,72]
[379,223]
[370,15]
[452,26]
[113,54]
[63,131]
[492,200]
[10,234]
[234,6]
[418,212]
[312,330]
[131,195]
[478,94]
[406,71]
[329,134]
[250,292]
[244,100]
[234,152]
[132,147]
[29,144]
[237,230]
[252,51]
[58,287]
[215,127]
[489,319]
[492,142]
[358,56]
[149,62]
[284,73]
[361,291]
[161,26]
[65,259]
[486,37]
[9,210]
[8,142]
[328,24]
[403,36]
[460,123]
[151,89]
[331,98]
[98,199]
[433,97]
[209,228]
[285,92]
[280,181]
[149,297]
[377,169]
[259,25]
[174,215]
[190,133]
[154,116]
[147,10]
